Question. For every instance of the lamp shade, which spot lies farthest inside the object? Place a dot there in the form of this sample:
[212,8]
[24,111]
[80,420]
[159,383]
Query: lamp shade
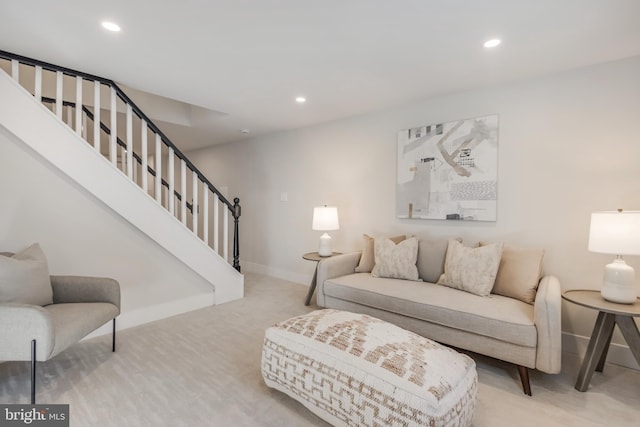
[615,232]
[325,218]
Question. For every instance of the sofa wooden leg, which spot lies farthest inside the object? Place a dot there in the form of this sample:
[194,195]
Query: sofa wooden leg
[113,337]
[524,378]
[33,372]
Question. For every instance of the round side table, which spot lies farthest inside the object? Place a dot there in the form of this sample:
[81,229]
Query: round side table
[610,314]
[314,256]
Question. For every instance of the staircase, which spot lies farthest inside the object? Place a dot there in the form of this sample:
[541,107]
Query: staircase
[88,128]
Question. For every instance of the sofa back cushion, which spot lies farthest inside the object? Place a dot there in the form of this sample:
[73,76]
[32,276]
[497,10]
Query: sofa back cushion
[24,278]
[431,256]
[519,273]
[471,269]
[397,261]
[367,259]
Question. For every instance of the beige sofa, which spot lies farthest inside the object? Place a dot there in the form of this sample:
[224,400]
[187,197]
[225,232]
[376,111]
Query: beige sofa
[527,335]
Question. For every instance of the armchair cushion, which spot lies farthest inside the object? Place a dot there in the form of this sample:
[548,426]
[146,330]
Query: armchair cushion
[24,278]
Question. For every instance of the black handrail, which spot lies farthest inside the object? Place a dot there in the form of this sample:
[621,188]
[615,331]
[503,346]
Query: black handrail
[233,208]
[120,142]
[68,71]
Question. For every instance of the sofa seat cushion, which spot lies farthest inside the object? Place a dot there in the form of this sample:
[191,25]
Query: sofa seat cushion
[495,316]
[72,321]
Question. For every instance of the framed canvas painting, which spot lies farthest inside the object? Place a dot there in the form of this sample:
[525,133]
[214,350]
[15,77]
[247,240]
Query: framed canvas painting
[449,170]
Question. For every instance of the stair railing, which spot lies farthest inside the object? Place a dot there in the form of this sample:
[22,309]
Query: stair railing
[71,104]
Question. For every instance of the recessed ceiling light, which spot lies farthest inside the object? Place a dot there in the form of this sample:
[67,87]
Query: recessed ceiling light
[111,26]
[492,43]
[244,131]
[301,99]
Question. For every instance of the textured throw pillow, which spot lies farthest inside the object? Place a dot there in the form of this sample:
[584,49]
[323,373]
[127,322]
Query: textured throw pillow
[519,273]
[24,278]
[396,261]
[471,269]
[367,259]
[431,255]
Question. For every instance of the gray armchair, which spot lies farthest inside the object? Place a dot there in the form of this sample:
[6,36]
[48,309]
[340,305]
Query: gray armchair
[34,333]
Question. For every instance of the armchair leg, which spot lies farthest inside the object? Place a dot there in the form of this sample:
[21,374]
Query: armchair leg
[113,344]
[33,372]
[524,379]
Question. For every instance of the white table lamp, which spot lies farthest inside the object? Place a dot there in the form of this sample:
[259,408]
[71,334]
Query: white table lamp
[616,233]
[325,218]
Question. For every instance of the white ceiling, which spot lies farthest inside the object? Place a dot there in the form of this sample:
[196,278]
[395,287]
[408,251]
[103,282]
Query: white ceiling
[248,59]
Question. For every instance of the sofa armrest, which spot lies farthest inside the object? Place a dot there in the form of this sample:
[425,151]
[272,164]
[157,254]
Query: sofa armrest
[22,323]
[547,318]
[335,266]
[68,289]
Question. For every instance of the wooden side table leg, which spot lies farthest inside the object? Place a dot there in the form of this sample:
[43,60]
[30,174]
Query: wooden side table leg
[603,359]
[312,287]
[599,339]
[630,333]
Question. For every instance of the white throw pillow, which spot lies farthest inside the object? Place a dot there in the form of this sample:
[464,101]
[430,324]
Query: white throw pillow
[367,259]
[471,269]
[24,278]
[397,261]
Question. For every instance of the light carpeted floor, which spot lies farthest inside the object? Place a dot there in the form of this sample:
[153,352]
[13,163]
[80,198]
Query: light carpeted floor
[203,369]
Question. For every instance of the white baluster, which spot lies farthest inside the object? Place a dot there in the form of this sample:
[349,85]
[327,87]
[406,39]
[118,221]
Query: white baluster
[158,165]
[113,155]
[84,126]
[145,172]
[194,203]
[216,223]
[172,188]
[59,103]
[78,127]
[183,191]
[69,116]
[38,84]
[15,70]
[225,238]
[129,141]
[205,213]
[96,115]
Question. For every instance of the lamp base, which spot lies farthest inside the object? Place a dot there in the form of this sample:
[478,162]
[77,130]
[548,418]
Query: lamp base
[619,283]
[325,245]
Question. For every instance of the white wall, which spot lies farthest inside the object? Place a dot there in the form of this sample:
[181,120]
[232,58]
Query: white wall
[569,144]
[81,236]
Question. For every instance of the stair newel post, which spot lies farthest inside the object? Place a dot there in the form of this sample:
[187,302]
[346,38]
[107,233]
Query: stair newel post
[236,234]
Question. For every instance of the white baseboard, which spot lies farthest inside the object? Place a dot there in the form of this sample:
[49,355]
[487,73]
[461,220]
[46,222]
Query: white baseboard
[618,354]
[140,316]
[301,279]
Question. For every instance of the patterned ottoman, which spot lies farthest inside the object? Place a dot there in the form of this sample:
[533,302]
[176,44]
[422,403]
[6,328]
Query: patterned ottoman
[356,370]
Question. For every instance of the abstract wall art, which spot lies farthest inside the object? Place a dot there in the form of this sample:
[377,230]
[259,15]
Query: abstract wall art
[449,170]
